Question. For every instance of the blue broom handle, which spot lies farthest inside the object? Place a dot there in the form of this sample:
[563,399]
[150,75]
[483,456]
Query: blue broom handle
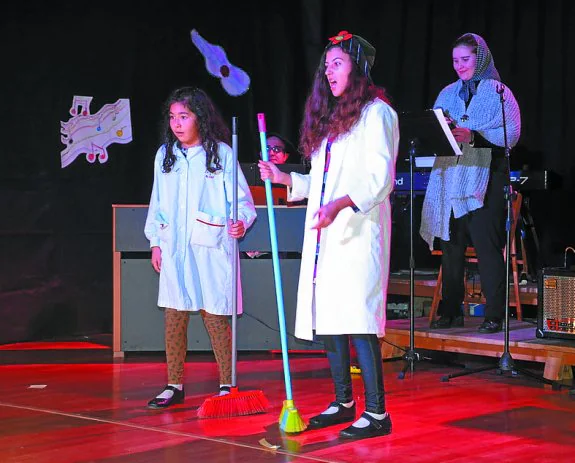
[275,258]
[234,249]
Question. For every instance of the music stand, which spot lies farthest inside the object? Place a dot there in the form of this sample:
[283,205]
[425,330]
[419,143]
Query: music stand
[423,133]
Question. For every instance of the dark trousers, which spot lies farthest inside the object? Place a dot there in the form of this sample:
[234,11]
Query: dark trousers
[369,358]
[485,229]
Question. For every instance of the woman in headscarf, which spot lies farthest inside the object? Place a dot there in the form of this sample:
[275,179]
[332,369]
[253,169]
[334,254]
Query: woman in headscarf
[466,195]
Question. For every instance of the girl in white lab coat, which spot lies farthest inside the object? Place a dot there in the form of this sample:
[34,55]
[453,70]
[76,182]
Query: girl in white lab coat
[350,133]
[191,232]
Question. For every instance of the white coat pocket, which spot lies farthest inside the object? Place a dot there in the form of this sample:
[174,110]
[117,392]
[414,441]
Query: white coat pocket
[208,231]
[162,226]
[163,231]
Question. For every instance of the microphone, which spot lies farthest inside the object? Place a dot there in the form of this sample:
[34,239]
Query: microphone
[500,89]
[451,124]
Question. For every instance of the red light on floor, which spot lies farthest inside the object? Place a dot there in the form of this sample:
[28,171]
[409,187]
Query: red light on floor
[60,345]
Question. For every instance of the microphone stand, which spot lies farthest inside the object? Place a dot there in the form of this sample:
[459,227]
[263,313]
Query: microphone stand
[506,362]
[423,133]
[411,356]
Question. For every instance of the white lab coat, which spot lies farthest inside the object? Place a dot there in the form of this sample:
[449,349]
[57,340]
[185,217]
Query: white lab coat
[353,266]
[187,217]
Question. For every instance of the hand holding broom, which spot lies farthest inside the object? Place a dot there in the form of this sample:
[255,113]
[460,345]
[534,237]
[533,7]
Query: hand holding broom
[236,402]
[290,421]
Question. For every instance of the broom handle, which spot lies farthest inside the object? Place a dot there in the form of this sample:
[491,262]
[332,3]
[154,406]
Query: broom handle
[275,258]
[234,248]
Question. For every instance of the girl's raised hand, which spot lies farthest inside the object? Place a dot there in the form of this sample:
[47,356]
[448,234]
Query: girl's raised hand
[268,170]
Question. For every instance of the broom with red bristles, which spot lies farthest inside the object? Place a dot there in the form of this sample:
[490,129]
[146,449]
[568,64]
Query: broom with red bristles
[237,402]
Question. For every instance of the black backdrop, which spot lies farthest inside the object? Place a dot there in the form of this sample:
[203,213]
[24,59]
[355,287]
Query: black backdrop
[55,224]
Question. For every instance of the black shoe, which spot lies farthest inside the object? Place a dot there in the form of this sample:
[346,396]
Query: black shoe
[447,321]
[376,428]
[343,415]
[490,326]
[177,398]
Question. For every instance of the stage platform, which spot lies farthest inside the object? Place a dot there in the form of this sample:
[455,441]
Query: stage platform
[558,355]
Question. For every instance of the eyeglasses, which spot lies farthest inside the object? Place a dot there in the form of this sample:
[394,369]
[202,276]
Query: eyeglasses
[276,149]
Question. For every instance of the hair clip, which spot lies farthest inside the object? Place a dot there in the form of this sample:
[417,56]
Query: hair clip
[340,37]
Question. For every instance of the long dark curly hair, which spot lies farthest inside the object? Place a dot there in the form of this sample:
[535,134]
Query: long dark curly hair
[328,116]
[211,126]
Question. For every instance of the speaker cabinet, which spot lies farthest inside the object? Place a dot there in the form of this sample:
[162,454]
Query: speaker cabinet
[556,304]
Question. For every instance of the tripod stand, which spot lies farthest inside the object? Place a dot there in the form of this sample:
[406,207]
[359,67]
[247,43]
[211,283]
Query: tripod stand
[506,362]
[411,355]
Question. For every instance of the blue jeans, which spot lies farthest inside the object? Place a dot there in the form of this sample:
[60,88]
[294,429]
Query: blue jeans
[370,362]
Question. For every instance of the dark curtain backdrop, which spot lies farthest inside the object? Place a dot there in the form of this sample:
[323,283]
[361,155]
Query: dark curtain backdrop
[55,224]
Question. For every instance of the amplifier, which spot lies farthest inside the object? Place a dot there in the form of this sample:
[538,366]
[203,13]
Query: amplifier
[556,300]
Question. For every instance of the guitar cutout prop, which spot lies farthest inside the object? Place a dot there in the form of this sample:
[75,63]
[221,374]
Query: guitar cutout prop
[235,81]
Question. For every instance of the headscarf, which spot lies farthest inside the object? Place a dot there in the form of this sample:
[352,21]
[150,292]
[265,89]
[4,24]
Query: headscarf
[484,68]
[361,51]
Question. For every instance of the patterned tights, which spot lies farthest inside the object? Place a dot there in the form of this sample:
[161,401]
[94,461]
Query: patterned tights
[176,332]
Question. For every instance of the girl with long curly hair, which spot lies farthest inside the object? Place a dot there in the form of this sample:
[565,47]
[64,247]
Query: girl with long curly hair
[191,232]
[350,134]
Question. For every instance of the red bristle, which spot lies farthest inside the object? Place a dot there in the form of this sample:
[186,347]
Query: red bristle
[235,403]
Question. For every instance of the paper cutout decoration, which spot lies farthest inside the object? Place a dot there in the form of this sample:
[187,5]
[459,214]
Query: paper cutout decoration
[91,134]
[234,80]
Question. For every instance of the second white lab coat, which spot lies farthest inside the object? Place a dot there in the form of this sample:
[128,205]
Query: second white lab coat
[188,219]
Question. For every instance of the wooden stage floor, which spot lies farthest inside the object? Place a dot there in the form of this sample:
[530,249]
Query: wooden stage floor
[81,405]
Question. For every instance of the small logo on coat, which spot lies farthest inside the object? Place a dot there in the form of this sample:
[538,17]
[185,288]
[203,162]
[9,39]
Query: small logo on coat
[209,174]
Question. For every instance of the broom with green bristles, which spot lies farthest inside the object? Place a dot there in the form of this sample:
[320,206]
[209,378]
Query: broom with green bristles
[289,421]
[237,402]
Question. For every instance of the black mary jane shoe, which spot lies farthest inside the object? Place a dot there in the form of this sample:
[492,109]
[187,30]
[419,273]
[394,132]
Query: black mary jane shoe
[447,321]
[177,398]
[376,428]
[343,415]
[490,326]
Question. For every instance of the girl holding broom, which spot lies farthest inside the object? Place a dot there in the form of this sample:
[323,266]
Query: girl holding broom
[191,234]
[350,133]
